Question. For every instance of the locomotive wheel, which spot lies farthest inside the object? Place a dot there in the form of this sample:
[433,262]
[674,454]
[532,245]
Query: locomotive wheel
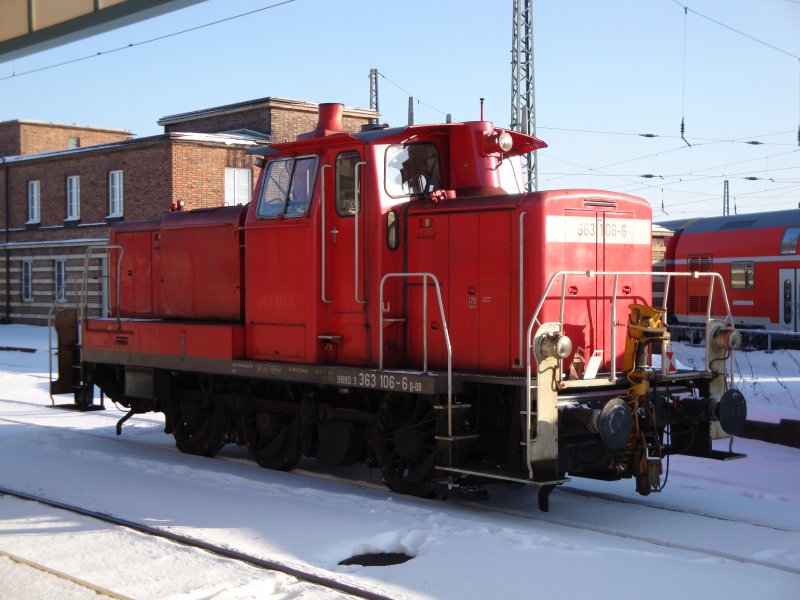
[404,443]
[273,439]
[196,425]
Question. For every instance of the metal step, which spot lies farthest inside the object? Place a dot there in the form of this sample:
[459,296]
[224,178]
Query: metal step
[518,475]
[457,438]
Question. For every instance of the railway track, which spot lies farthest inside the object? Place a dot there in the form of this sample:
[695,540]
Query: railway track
[299,573]
[647,539]
[633,501]
[82,583]
[699,516]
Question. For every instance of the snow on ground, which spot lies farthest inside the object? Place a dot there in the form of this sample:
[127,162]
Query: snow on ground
[588,545]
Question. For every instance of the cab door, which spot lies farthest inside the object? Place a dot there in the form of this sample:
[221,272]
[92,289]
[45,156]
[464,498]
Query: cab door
[344,221]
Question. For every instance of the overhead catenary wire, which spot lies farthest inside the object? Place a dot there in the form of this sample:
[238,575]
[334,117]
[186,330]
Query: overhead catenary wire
[733,29]
[750,139]
[692,173]
[687,10]
[683,81]
[143,42]
[417,98]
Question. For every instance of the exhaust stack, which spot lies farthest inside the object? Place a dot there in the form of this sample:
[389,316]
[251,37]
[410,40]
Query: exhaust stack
[329,121]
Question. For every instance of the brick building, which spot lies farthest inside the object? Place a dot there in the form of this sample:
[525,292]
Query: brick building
[31,137]
[61,187]
[56,204]
[280,119]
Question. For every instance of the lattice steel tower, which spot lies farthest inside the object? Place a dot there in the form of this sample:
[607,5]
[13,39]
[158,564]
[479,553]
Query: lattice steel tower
[373,92]
[726,199]
[523,97]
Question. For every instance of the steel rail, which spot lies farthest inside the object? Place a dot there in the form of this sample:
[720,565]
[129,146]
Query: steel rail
[99,590]
[646,539]
[261,563]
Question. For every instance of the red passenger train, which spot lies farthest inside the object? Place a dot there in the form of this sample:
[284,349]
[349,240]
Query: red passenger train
[394,296]
[756,256]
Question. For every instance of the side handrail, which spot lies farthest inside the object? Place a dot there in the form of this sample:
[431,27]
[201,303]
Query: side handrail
[521,283]
[322,234]
[713,277]
[57,302]
[425,277]
[357,210]
[50,350]
[84,296]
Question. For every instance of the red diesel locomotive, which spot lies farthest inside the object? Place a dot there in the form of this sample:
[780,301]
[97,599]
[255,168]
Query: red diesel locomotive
[756,256]
[394,296]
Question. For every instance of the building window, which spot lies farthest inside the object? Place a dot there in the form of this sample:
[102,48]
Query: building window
[27,281]
[115,194]
[742,275]
[238,187]
[33,202]
[73,197]
[74,142]
[60,280]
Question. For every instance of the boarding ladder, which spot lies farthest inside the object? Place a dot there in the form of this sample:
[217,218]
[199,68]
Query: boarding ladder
[450,414]
[67,322]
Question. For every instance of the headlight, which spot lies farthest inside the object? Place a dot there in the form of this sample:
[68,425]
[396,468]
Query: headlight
[554,345]
[505,141]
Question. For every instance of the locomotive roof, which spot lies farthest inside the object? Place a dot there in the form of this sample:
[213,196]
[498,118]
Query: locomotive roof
[777,218]
[392,135]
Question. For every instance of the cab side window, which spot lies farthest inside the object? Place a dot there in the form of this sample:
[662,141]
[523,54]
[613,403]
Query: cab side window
[412,169]
[346,183]
[288,187]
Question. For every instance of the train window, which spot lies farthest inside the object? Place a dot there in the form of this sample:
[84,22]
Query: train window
[288,185]
[789,240]
[346,183]
[412,169]
[392,230]
[787,301]
[742,275]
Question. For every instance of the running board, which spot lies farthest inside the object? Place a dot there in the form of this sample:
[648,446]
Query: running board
[492,474]
[722,455]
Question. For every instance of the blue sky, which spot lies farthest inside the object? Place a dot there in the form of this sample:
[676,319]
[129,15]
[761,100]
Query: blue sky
[605,72]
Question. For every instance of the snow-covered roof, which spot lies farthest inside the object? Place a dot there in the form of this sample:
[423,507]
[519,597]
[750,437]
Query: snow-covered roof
[269,101]
[65,125]
[229,139]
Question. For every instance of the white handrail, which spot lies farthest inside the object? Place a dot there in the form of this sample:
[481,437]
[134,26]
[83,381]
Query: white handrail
[355,228]
[322,236]
[713,277]
[694,274]
[84,296]
[425,277]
